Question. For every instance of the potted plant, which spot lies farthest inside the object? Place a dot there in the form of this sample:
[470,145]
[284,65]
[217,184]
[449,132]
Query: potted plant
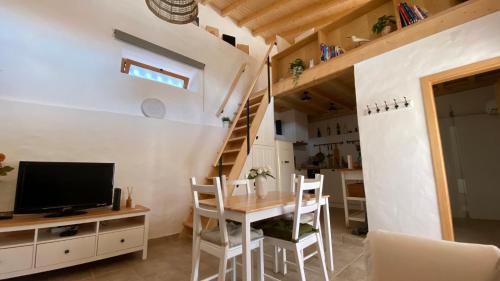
[260,175]
[225,121]
[4,169]
[297,67]
[384,25]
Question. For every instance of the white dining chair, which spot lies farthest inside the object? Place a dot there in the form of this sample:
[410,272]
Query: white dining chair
[240,186]
[225,241]
[294,235]
[280,254]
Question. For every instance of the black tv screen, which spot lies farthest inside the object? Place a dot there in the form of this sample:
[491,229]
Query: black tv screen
[48,186]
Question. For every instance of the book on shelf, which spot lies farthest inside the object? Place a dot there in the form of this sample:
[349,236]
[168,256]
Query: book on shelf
[328,52]
[410,14]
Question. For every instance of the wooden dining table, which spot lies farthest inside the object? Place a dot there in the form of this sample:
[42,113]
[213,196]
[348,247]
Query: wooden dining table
[249,208]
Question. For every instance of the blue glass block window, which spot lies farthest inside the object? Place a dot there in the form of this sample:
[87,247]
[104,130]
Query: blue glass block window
[141,70]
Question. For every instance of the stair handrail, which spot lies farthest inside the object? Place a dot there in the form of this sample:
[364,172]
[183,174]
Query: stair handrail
[231,88]
[243,103]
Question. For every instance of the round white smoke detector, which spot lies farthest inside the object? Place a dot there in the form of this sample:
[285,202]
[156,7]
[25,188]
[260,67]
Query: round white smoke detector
[153,108]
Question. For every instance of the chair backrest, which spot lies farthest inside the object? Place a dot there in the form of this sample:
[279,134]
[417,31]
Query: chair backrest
[214,213]
[237,185]
[307,205]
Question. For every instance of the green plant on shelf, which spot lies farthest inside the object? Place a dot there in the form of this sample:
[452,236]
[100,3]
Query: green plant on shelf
[297,67]
[384,24]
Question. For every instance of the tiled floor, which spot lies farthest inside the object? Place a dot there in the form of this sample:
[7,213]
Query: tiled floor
[170,259]
[477,231]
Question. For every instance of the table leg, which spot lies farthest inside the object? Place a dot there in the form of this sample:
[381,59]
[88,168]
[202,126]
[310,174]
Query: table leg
[328,236]
[247,253]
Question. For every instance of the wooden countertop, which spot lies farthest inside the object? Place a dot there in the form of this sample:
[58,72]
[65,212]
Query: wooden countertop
[251,203]
[25,220]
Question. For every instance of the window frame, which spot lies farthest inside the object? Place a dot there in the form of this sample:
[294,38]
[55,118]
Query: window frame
[126,63]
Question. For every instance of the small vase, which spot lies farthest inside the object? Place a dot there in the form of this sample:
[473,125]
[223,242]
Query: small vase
[260,187]
[387,29]
[129,202]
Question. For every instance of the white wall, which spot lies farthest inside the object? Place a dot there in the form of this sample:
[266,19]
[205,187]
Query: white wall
[399,180]
[349,123]
[63,97]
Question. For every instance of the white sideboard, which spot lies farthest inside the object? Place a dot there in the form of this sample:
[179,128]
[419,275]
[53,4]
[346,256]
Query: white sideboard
[28,246]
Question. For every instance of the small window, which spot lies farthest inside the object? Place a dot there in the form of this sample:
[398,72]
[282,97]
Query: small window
[141,70]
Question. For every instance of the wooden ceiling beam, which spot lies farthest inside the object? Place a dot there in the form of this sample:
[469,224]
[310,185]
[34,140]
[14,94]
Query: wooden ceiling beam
[298,16]
[331,98]
[299,106]
[311,104]
[304,16]
[345,12]
[232,6]
[331,115]
[262,12]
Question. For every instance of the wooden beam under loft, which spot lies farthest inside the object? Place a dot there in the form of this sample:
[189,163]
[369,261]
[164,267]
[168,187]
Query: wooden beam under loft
[451,17]
[232,7]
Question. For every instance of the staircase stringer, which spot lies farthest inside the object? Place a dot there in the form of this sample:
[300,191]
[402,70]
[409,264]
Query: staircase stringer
[254,128]
[243,103]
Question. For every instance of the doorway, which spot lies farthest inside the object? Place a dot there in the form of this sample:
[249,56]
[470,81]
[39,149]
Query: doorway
[464,131]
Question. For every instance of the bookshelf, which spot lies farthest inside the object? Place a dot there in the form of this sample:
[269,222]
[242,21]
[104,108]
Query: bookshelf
[359,23]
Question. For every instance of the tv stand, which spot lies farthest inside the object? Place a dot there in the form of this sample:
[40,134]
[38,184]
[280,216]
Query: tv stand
[66,213]
[28,246]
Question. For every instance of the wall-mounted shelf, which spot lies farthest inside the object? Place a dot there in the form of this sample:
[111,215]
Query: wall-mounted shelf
[444,14]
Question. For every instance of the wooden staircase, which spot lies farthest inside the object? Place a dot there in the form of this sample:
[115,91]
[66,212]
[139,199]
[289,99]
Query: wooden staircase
[234,151]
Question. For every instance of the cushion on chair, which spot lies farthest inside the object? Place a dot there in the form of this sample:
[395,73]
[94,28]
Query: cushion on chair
[396,257]
[282,229]
[233,232]
[304,218]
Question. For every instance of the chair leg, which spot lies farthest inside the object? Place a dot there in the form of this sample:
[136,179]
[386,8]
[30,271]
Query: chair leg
[321,252]
[233,265]
[299,259]
[195,259]
[222,268]
[277,253]
[284,265]
[260,263]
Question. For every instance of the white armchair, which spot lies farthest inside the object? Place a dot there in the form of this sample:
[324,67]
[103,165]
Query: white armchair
[398,257]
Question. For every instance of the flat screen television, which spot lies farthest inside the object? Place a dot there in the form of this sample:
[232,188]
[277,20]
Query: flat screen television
[63,187]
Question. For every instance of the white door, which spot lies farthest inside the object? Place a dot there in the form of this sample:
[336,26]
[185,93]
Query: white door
[265,134]
[263,156]
[286,164]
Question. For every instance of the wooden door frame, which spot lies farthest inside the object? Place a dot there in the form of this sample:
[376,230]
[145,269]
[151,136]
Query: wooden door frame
[438,163]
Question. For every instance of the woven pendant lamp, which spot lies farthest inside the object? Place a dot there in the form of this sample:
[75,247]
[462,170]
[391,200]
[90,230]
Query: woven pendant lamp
[174,11]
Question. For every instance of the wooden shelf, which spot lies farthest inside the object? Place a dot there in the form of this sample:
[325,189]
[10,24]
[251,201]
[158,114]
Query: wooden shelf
[17,239]
[84,230]
[443,16]
[29,220]
[120,224]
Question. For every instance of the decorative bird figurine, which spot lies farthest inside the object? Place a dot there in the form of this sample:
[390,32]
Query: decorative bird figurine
[358,40]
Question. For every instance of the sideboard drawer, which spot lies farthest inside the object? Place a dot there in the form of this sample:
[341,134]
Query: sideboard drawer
[120,240]
[16,259]
[65,251]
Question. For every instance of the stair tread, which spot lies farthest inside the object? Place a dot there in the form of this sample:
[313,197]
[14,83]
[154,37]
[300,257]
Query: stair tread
[240,128]
[258,94]
[231,151]
[251,115]
[237,138]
